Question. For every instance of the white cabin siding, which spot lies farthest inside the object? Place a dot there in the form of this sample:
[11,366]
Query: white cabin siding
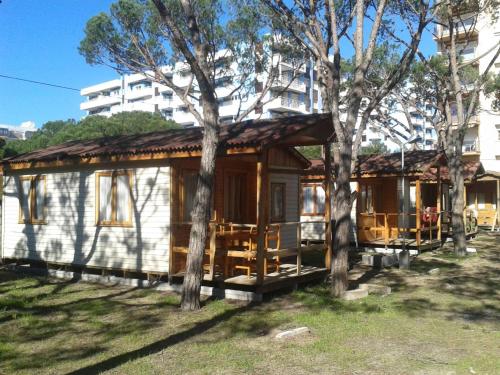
[71,235]
[288,231]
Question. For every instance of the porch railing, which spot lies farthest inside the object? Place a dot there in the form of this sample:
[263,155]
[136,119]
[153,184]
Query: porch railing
[391,226]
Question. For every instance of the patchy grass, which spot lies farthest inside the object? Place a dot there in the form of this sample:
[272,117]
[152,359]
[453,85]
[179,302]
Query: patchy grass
[446,322]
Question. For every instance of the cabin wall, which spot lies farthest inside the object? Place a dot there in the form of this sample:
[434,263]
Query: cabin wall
[71,235]
[288,232]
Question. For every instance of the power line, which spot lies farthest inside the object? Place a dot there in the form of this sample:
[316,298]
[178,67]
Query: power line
[39,83]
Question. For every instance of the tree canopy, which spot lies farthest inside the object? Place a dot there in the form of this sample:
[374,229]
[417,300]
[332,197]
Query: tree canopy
[60,131]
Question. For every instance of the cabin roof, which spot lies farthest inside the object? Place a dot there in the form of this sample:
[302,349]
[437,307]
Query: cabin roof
[416,162]
[472,169]
[287,131]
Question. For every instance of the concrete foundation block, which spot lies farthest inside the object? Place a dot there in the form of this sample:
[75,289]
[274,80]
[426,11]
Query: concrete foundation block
[352,295]
[376,289]
[379,260]
[293,333]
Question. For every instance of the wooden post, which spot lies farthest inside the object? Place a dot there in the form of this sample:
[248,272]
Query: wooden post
[262,182]
[465,204]
[328,206]
[386,230]
[173,220]
[299,248]
[438,203]
[213,234]
[417,210]
[498,203]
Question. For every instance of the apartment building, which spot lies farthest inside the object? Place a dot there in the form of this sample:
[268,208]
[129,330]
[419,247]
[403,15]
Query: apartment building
[17,132]
[479,35]
[294,91]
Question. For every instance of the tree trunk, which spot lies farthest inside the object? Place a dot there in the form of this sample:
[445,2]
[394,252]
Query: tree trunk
[342,215]
[455,168]
[200,215]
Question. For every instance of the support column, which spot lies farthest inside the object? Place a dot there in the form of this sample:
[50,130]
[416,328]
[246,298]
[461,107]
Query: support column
[262,213]
[418,203]
[328,206]
[498,203]
[438,202]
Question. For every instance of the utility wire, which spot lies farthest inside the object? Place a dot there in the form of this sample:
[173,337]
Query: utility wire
[38,82]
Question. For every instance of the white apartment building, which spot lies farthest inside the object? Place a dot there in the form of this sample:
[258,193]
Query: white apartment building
[293,92]
[17,132]
[482,140]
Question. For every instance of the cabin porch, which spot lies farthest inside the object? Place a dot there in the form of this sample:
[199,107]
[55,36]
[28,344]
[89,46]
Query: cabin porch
[254,235]
[383,219]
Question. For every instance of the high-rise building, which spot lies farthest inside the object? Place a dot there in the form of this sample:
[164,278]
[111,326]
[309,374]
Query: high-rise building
[478,34]
[294,91]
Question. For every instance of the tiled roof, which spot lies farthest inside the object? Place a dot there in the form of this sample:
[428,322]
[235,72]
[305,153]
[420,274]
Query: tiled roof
[244,134]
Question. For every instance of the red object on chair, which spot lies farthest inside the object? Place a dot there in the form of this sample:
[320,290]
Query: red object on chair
[430,215]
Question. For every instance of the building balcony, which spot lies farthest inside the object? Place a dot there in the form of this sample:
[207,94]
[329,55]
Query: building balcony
[465,28]
[473,121]
[283,82]
[100,101]
[285,104]
[471,147]
[139,93]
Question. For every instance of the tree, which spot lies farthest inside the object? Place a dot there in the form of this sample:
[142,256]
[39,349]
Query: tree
[374,148]
[451,86]
[57,132]
[217,41]
[328,30]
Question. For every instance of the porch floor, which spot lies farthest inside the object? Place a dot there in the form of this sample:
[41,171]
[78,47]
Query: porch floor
[411,243]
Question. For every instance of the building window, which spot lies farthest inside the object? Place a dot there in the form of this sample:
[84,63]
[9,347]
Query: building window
[235,185]
[366,199]
[313,199]
[498,131]
[278,202]
[114,203]
[32,200]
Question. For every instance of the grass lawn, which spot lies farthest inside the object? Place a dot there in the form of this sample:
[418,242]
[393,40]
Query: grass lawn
[439,323]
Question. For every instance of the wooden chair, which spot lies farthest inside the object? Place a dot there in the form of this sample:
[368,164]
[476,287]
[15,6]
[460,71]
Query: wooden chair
[273,237]
[272,242]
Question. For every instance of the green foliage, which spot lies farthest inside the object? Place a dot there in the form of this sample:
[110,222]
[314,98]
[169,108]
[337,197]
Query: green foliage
[375,147]
[492,89]
[134,37]
[57,132]
[310,152]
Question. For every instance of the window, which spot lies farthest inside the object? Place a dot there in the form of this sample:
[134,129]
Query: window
[235,196]
[366,201]
[114,203]
[189,182]
[278,201]
[498,131]
[32,200]
[313,199]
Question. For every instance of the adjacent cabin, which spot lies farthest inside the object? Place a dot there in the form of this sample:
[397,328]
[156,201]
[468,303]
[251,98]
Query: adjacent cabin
[122,204]
[379,215]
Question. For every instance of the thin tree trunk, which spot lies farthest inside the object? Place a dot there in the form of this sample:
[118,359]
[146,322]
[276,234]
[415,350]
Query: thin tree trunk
[201,212]
[457,203]
[342,214]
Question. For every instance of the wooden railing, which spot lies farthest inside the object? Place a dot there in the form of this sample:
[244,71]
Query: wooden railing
[370,225]
[218,230]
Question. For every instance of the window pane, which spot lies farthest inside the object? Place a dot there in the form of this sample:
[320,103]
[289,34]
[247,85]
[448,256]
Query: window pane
[25,199]
[277,201]
[122,198]
[320,200]
[39,198]
[190,182]
[307,204]
[104,198]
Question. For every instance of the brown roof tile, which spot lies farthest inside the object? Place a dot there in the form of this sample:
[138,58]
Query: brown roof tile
[244,134]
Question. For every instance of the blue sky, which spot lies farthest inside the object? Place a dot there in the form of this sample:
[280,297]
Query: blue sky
[39,41]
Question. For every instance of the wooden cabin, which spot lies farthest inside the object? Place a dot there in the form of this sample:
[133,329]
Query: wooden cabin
[377,214]
[482,196]
[121,205]
[383,218]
